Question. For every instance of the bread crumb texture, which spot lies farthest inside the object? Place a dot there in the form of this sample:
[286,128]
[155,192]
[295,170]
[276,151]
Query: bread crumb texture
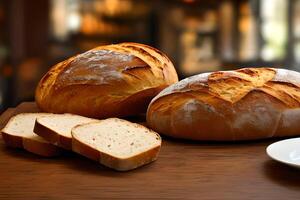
[117,138]
[63,123]
[22,125]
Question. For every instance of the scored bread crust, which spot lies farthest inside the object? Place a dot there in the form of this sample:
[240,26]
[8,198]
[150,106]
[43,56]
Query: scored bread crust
[246,104]
[119,164]
[32,145]
[108,81]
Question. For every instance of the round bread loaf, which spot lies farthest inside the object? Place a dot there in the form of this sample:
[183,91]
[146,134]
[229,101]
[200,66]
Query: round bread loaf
[246,104]
[108,81]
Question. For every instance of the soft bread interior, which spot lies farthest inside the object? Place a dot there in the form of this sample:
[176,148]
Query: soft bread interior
[117,138]
[63,123]
[22,125]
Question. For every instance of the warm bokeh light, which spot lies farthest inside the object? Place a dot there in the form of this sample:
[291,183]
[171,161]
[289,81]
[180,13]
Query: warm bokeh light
[198,36]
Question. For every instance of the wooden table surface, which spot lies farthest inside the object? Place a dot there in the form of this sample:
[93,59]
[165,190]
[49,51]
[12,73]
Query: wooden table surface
[184,170]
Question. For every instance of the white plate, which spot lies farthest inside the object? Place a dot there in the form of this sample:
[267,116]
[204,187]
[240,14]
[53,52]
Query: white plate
[286,151]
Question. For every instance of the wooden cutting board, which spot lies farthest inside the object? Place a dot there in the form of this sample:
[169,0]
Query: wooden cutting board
[184,170]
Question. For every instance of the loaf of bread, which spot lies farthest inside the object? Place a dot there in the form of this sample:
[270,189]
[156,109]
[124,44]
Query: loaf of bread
[56,128]
[116,143]
[18,133]
[246,104]
[108,81]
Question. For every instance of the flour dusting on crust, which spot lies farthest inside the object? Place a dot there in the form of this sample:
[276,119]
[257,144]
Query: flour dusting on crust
[287,76]
[282,75]
[182,84]
[95,67]
[95,55]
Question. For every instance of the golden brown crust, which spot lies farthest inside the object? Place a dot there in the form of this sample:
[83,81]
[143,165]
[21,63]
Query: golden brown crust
[287,93]
[97,83]
[234,86]
[84,150]
[33,146]
[129,163]
[12,140]
[245,104]
[42,149]
[52,137]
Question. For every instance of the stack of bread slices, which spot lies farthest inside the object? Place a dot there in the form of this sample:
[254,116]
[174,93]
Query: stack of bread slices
[115,143]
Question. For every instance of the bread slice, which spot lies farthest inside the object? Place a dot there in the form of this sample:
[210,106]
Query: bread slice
[56,128]
[116,143]
[18,133]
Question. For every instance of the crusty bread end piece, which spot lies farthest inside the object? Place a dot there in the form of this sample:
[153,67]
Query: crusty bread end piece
[116,143]
[56,128]
[18,133]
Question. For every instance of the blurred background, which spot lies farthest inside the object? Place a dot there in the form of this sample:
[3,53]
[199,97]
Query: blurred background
[198,35]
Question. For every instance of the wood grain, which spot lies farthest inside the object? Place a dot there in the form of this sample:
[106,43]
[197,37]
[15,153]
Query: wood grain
[184,170]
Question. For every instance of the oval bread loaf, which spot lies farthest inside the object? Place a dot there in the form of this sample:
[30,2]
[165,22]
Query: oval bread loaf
[108,81]
[246,104]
